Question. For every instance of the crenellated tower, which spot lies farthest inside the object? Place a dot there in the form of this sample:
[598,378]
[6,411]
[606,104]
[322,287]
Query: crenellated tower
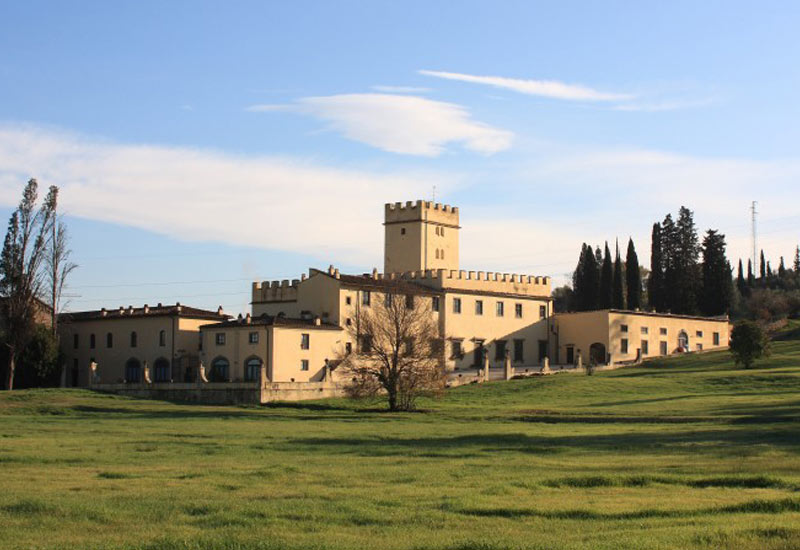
[420,236]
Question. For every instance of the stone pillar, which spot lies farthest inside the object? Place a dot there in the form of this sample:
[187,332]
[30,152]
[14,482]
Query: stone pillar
[327,373]
[546,365]
[485,365]
[579,365]
[93,377]
[201,378]
[262,375]
[508,368]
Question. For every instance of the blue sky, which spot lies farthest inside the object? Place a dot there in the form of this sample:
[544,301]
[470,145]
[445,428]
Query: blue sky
[200,146]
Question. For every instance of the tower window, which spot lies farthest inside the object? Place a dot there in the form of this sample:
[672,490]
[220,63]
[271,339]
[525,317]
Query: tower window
[437,253]
[402,230]
[442,254]
[441,231]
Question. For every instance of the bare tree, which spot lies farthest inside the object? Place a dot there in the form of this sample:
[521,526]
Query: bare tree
[399,350]
[21,278]
[58,263]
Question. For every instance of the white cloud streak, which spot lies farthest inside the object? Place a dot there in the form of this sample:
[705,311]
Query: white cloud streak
[288,204]
[400,89]
[544,88]
[400,124]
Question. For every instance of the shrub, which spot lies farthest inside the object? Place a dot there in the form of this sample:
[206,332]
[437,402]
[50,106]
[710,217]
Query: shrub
[748,343]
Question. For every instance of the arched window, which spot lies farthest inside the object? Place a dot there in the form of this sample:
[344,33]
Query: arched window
[442,254]
[134,339]
[162,338]
[109,340]
[441,231]
[683,340]
[161,370]
[437,253]
[91,341]
[252,369]
[219,370]
[133,371]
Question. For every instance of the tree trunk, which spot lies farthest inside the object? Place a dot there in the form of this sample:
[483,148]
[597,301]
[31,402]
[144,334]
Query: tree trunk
[392,399]
[11,368]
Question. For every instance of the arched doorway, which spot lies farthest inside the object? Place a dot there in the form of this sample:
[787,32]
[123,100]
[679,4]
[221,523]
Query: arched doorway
[133,371]
[161,370]
[683,341]
[597,353]
[252,369]
[219,370]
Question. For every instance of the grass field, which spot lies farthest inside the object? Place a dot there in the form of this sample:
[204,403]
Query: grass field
[682,453]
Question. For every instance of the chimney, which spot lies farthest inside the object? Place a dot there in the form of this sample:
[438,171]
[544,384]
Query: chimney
[146,309]
[103,312]
[336,273]
[317,321]
[239,318]
[160,304]
[374,272]
[121,310]
[330,269]
[247,319]
[130,310]
[221,312]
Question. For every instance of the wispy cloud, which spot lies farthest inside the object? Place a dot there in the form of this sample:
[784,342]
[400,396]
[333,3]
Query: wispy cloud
[666,105]
[399,123]
[544,88]
[289,204]
[400,89]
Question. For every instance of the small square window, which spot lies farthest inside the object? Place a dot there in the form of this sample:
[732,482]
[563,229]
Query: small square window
[456,305]
[623,345]
[253,338]
[500,308]
[304,364]
[220,338]
[365,298]
[623,328]
[645,347]
[662,331]
[348,300]
[348,321]
[645,330]
[542,312]
[456,351]
[435,303]
[305,341]
[518,311]
[348,348]
[699,333]
[478,307]
[716,338]
[699,347]
[402,230]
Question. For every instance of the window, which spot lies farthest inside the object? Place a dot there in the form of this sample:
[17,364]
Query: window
[133,371]
[456,305]
[456,349]
[409,301]
[134,339]
[442,254]
[499,349]
[519,348]
[542,350]
[348,300]
[387,300]
[348,348]
[437,253]
[478,307]
[699,347]
[645,330]
[699,334]
[366,343]
[570,355]
[305,341]
[623,345]
[252,368]
[435,303]
[161,370]
[662,348]
[220,338]
[109,340]
[645,347]
[365,298]
[500,308]
[518,311]
[75,341]
[716,338]
[348,321]
[662,331]
[91,341]
[542,312]
[477,357]
[219,370]
[162,338]
[441,231]
[402,230]
[623,328]
[409,346]
[252,338]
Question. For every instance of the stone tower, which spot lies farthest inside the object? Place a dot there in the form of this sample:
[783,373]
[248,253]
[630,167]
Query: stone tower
[420,235]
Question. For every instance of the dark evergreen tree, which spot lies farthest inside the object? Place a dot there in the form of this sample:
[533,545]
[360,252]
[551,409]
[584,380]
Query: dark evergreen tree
[586,281]
[607,281]
[717,289]
[619,292]
[741,284]
[669,251]
[598,256]
[633,277]
[797,261]
[686,275]
[751,280]
[763,270]
[782,269]
[655,284]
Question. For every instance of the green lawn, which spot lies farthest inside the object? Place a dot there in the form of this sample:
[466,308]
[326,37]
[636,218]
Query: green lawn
[682,453]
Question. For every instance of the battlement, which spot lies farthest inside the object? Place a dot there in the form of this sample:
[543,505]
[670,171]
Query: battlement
[276,291]
[421,211]
[479,281]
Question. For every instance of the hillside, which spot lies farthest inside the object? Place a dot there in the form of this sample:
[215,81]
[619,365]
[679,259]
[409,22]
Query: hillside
[688,452]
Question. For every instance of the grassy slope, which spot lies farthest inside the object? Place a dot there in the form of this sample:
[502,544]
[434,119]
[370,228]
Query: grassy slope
[683,453]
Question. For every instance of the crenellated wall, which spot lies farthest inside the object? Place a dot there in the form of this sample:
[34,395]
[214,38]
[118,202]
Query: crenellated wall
[420,235]
[480,281]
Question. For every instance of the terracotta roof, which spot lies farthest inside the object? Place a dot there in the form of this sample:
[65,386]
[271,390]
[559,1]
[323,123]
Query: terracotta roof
[176,310]
[268,320]
[395,286]
[719,319]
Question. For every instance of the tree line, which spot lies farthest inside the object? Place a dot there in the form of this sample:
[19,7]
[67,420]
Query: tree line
[34,265]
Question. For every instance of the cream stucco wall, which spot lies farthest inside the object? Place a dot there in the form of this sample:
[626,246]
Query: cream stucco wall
[420,235]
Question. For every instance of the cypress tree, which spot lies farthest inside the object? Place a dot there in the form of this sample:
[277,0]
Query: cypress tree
[687,276]
[607,281]
[797,261]
[750,277]
[741,284]
[619,293]
[782,269]
[655,284]
[585,280]
[592,280]
[717,289]
[669,250]
[634,277]
[579,280]
[763,270]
